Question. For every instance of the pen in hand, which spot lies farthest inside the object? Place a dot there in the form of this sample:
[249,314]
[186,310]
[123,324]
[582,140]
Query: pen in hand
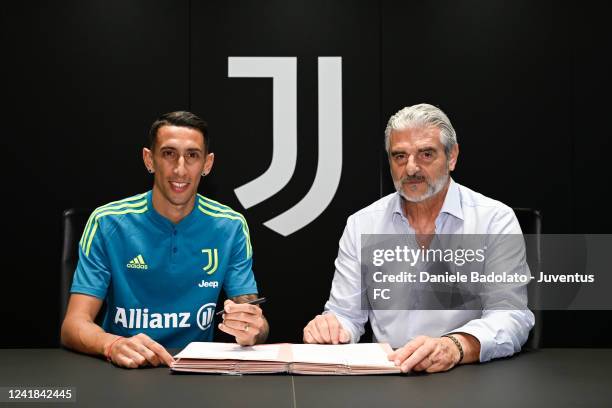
[250,302]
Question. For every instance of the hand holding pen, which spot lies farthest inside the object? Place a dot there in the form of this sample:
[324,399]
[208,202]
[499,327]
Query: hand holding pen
[244,321]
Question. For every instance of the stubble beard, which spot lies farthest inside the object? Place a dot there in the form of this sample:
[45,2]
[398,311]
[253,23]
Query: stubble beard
[433,188]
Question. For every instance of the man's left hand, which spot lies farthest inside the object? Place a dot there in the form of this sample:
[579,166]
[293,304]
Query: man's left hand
[430,354]
[243,321]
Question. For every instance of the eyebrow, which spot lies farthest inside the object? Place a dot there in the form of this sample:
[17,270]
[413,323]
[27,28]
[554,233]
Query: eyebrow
[191,149]
[422,149]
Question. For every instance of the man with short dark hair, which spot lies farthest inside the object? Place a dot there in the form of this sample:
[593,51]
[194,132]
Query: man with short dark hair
[422,149]
[159,260]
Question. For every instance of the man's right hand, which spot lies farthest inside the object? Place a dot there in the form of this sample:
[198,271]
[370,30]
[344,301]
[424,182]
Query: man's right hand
[137,351]
[325,329]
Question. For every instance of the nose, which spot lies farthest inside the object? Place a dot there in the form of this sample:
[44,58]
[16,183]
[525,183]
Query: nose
[411,166]
[180,169]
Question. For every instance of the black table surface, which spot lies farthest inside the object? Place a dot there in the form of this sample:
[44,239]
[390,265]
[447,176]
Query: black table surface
[543,378]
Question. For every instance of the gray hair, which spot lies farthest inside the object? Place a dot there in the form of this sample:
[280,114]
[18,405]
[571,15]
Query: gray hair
[421,116]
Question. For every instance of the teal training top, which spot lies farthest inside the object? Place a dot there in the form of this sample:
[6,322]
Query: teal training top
[160,278]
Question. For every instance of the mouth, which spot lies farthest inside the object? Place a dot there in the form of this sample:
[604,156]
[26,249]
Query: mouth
[178,187]
[413,181]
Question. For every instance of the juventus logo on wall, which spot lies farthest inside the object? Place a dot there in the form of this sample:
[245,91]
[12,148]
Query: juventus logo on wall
[283,71]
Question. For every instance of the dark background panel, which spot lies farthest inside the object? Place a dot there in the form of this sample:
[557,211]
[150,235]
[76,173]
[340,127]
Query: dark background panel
[295,272]
[590,89]
[83,82]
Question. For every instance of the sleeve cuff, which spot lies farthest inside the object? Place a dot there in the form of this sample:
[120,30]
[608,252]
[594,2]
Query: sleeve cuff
[85,290]
[241,291]
[487,344]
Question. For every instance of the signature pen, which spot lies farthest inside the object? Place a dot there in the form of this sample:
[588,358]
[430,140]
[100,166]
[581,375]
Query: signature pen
[250,302]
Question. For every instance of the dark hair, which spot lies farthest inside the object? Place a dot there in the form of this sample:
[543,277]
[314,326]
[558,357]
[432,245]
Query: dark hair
[179,118]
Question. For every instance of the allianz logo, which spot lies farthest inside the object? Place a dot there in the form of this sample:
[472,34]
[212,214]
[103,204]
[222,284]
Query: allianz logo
[136,318]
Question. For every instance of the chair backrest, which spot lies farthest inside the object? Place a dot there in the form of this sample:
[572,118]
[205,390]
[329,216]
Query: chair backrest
[531,224]
[73,223]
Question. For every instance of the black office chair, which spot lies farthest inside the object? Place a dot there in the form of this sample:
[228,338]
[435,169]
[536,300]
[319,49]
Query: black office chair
[73,223]
[531,224]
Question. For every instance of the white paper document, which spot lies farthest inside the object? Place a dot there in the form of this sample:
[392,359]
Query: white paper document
[362,354]
[341,359]
[230,351]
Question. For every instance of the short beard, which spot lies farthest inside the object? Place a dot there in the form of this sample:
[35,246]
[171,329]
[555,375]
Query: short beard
[432,188]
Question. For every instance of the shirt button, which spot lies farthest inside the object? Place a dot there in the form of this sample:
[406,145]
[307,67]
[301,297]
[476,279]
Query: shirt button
[174,232]
[174,250]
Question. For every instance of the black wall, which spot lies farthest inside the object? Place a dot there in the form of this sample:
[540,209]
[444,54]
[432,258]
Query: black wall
[525,84]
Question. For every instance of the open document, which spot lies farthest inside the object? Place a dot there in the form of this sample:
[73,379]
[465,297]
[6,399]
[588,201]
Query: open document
[231,358]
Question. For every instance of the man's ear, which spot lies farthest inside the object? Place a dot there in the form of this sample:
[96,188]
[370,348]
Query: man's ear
[210,159]
[452,162]
[147,158]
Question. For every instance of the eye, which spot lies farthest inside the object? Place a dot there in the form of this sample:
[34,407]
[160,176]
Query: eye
[427,154]
[168,154]
[193,155]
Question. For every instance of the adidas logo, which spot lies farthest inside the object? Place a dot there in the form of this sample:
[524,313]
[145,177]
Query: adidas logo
[138,263]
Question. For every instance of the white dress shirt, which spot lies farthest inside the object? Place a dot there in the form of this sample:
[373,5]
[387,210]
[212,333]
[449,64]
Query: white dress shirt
[501,332]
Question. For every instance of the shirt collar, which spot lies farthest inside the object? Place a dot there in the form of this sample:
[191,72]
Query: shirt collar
[165,222]
[451,205]
[452,201]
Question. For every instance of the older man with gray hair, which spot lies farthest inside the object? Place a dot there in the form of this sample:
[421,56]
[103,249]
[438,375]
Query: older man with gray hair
[422,149]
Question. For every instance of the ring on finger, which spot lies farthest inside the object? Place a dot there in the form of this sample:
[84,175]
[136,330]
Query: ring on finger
[246,327]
